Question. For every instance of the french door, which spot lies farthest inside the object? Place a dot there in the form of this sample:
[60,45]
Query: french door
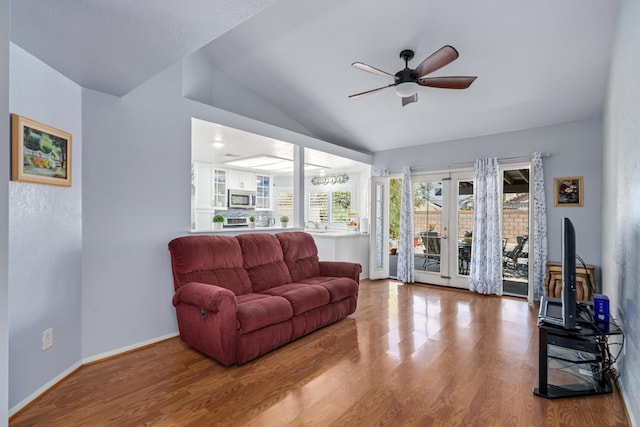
[443,226]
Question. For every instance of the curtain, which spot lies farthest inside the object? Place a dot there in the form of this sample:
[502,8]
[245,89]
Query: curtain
[539,228]
[405,246]
[485,275]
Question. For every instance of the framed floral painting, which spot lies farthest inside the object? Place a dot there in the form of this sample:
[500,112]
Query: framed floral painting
[39,153]
[568,191]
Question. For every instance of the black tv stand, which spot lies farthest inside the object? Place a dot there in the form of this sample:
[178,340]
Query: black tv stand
[585,350]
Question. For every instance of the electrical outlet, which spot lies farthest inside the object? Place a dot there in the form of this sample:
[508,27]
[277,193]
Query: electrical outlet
[47,338]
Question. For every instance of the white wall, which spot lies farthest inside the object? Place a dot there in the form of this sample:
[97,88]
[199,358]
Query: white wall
[575,148]
[4,211]
[621,201]
[136,198]
[45,237]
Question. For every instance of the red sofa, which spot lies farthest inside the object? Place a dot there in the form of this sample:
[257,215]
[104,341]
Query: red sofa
[238,297]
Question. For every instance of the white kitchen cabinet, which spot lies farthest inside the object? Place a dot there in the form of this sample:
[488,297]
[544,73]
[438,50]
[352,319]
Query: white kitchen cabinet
[263,192]
[202,182]
[219,188]
[210,186]
[241,180]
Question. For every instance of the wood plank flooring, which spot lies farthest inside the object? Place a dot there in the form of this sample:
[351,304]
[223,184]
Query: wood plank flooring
[411,355]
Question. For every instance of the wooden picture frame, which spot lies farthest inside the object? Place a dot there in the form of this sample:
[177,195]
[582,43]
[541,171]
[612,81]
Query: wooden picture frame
[39,153]
[568,191]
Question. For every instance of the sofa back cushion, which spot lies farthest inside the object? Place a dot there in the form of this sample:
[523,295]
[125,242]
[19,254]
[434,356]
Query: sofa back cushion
[216,260]
[300,254]
[263,260]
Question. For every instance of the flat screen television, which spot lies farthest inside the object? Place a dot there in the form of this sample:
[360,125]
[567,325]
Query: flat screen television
[562,311]
[568,293]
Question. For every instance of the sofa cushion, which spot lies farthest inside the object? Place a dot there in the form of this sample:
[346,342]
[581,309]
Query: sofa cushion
[300,254]
[216,260]
[256,311]
[302,297]
[339,288]
[263,260]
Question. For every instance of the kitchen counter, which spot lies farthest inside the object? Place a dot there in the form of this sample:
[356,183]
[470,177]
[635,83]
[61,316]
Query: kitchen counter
[343,245]
[244,230]
[335,234]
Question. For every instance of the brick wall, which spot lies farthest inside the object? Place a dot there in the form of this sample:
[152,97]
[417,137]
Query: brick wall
[515,222]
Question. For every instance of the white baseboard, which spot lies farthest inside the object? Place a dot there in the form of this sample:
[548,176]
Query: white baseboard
[33,396]
[44,388]
[120,350]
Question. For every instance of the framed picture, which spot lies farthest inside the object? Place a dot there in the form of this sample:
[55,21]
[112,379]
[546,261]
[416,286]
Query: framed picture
[39,153]
[568,191]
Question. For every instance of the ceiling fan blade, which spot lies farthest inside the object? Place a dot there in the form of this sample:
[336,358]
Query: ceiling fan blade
[370,91]
[441,57]
[457,82]
[409,99]
[370,69]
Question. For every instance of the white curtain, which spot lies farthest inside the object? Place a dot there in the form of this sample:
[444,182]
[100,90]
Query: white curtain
[485,274]
[539,228]
[405,246]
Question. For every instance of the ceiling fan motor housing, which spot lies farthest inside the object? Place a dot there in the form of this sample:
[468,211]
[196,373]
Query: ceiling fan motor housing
[406,75]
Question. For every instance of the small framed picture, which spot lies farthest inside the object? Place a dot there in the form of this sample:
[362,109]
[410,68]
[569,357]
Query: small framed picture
[568,191]
[39,153]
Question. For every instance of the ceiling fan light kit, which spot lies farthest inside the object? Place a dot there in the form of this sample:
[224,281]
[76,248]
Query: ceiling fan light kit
[406,89]
[407,81]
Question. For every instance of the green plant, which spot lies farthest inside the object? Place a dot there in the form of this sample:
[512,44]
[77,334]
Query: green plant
[251,218]
[284,218]
[218,218]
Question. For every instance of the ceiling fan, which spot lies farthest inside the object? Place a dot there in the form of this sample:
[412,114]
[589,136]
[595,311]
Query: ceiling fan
[408,80]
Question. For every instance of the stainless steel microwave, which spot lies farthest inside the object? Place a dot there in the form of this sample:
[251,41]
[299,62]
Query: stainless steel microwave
[242,199]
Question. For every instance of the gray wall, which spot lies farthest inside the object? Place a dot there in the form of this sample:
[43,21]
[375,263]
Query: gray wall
[136,197]
[4,211]
[575,148]
[103,279]
[621,201]
[45,237]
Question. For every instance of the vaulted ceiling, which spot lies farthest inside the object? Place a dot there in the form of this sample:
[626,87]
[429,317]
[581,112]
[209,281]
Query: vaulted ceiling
[538,63]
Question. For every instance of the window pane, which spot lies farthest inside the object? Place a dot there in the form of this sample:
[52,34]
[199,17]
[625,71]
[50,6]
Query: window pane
[319,207]
[340,206]
[427,218]
[465,225]
[284,206]
[379,219]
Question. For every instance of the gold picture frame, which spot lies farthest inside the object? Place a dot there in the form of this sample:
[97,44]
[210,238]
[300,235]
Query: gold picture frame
[568,191]
[39,153]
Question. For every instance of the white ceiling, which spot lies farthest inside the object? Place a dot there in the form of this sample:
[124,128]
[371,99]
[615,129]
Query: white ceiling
[115,45]
[538,63]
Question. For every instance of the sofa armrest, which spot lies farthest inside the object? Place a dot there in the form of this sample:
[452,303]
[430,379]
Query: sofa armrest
[341,269]
[209,297]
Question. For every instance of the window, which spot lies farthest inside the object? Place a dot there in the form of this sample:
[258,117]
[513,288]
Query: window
[330,206]
[284,204]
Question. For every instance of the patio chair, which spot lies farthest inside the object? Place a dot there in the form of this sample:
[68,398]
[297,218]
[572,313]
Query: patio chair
[513,255]
[431,245]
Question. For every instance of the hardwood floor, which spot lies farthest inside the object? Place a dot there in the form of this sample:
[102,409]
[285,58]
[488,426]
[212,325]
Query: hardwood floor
[410,355]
